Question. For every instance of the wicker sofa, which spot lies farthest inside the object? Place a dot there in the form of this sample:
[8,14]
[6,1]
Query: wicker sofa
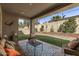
[71,51]
[68,50]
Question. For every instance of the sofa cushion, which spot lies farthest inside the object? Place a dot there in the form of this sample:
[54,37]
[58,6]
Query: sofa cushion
[71,52]
[77,48]
[73,44]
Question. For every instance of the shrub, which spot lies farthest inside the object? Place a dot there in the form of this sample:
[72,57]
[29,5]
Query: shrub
[68,26]
[51,29]
[36,30]
[42,28]
[22,37]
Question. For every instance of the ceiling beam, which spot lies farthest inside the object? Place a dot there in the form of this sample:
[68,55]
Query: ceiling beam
[51,9]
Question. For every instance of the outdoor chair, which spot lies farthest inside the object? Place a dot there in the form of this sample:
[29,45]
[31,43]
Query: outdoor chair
[18,48]
[70,51]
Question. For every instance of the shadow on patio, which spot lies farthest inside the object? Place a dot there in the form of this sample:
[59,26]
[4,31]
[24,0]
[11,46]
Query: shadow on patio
[48,49]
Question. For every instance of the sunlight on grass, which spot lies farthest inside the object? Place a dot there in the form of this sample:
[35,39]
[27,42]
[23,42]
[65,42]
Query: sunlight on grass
[52,40]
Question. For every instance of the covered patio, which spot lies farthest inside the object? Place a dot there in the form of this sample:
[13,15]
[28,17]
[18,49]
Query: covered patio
[10,14]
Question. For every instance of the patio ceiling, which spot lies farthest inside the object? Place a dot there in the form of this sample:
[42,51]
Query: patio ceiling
[32,10]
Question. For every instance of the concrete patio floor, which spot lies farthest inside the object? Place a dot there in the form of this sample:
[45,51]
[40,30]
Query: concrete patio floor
[48,49]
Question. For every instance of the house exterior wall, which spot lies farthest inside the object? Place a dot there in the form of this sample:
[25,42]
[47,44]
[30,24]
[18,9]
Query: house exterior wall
[25,30]
[38,27]
[56,25]
[0,21]
[77,29]
[7,18]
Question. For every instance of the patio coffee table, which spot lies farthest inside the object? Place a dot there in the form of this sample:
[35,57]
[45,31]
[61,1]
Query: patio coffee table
[35,45]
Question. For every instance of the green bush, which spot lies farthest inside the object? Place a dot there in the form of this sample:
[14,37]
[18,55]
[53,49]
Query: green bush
[36,30]
[22,37]
[68,26]
[56,18]
[42,28]
[51,29]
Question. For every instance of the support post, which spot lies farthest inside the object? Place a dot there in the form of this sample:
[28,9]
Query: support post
[30,28]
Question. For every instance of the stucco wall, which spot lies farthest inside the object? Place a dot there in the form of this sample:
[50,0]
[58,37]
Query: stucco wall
[7,18]
[0,22]
[77,29]
[56,25]
[38,27]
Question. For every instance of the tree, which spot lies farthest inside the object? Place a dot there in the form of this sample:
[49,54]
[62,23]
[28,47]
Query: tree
[20,24]
[25,23]
[36,23]
[28,24]
[68,26]
[55,18]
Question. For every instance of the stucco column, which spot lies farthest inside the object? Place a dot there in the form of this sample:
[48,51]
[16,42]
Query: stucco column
[32,28]
[0,21]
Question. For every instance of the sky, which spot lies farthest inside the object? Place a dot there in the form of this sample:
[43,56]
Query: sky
[67,13]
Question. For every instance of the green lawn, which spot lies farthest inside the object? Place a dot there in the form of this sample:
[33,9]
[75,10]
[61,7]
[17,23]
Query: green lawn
[51,40]
[22,37]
